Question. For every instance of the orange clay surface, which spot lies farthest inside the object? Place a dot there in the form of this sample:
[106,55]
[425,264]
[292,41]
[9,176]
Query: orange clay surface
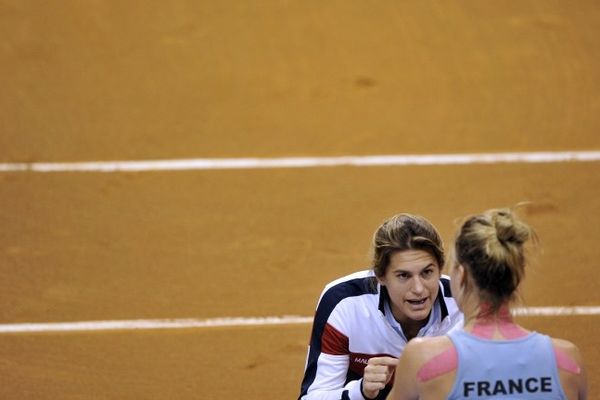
[114,80]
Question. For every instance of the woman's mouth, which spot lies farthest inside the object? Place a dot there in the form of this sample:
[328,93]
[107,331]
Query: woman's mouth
[417,303]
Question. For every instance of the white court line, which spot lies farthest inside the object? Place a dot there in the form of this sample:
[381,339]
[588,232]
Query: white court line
[303,162]
[235,321]
[151,324]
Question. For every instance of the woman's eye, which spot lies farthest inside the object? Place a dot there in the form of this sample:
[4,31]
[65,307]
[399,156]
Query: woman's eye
[403,276]
[427,273]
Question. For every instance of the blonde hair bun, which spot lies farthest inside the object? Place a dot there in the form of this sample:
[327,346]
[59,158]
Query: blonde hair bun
[509,229]
[491,248]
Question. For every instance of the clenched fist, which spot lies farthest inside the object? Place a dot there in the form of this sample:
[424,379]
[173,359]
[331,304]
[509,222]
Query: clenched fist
[378,372]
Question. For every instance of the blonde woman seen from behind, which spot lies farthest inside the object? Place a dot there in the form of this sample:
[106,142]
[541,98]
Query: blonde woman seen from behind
[492,357]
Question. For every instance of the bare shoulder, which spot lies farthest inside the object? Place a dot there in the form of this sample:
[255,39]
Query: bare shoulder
[570,364]
[430,341]
[417,354]
[421,350]
[568,357]
[566,346]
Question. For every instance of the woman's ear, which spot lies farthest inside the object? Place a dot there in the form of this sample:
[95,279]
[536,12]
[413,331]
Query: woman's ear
[459,282]
[458,275]
[463,278]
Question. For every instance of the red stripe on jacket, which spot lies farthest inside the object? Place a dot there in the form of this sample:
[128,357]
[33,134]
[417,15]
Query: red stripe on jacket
[334,342]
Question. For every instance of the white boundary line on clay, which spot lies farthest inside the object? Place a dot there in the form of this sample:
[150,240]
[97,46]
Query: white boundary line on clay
[303,162]
[192,323]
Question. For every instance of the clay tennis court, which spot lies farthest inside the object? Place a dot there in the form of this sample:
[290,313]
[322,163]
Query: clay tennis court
[109,81]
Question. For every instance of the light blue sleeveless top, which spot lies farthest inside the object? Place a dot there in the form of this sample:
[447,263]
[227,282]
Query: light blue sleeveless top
[523,368]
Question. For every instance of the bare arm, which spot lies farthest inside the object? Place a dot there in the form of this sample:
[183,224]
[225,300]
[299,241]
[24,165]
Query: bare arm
[570,365]
[405,382]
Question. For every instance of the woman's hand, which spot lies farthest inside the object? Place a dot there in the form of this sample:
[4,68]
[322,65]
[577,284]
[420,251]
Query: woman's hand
[377,374]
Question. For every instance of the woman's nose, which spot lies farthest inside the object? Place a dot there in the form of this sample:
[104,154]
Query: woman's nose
[418,286]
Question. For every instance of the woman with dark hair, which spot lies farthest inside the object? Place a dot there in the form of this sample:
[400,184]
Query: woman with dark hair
[492,357]
[364,320]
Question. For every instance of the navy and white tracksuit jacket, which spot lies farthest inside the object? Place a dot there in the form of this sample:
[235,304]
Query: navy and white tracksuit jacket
[353,323]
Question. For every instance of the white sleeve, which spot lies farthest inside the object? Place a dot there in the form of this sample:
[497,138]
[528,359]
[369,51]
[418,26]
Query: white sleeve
[330,378]
[330,369]
[328,361]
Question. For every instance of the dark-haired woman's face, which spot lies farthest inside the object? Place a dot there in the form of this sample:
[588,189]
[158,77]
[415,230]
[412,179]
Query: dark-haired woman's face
[412,280]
